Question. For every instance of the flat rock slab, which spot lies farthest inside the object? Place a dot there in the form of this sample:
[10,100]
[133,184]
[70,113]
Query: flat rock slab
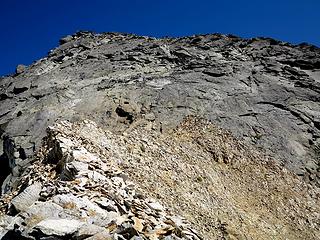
[59,227]
[28,197]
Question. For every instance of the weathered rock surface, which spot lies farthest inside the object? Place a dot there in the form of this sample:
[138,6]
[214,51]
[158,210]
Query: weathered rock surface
[59,227]
[223,188]
[262,90]
[97,201]
[265,92]
[28,197]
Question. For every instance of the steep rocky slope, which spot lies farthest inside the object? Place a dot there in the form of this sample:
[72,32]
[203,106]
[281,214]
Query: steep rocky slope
[79,187]
[265,92]
[74,190]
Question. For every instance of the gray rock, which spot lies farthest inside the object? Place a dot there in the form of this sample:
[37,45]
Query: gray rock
[150,117]
[5,221]
[311,166]
[214,73]
[59,227]
[43,210]
[107,204]
[103,218]
[65,39]
[136,238]
[171,237]
[263,91]
[20,68]
[155,206]
[8,225]
[28,197]
[97,177]
[101,236]
[90,230]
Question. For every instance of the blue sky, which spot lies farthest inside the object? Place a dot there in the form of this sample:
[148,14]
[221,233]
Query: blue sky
[29,29]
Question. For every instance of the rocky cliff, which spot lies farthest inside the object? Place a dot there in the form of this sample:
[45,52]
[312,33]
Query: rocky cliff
[258,181]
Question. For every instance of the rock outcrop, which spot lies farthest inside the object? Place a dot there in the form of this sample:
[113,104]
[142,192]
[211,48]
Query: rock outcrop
[262,90]
[73,190]
[134,91]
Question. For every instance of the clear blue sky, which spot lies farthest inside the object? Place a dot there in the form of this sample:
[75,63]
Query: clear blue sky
[30,28]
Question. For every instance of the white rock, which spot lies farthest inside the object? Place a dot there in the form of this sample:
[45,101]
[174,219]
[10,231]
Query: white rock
[43,210]
[59,227]
[107,204]
[28,197]
[97,177]
[103,218]
[118,181]
[8,223]
[65,142]
[155,206]
[89,230]
[81,167]
[83,155]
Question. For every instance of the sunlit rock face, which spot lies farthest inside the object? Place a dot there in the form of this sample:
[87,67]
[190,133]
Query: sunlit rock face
[266,93]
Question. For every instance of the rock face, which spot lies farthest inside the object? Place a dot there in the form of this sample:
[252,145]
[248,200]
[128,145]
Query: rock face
[262,90]
[265,92]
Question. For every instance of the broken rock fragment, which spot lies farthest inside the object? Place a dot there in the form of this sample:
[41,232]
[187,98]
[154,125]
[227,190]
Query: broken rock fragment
[28,197]
[59,227]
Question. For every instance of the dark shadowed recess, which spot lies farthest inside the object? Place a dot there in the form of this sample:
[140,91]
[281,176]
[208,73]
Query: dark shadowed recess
[4,168]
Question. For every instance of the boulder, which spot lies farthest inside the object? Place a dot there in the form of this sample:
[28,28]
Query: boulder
[28,197]
[59,227]
[20,68]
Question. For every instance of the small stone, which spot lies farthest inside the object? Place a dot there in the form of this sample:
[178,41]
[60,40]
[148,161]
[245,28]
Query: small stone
[182,53]
[118,237]
[65,39]
[89,230]
[177,221]
[97,177]
[301,171]
[138,226]
[83,155]
[312,177]
[118,181]
[137,238]
[20,68]
[150,116]
[107,204]
[171,237]
[80,166]
[155,206]
[311,166]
